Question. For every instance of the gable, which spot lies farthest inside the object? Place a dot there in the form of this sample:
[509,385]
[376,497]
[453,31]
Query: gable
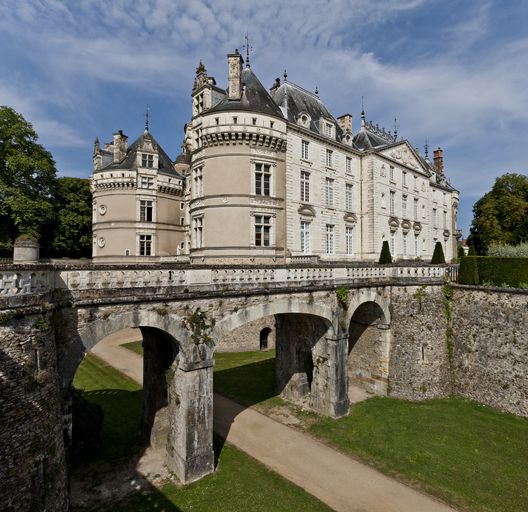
[403,154]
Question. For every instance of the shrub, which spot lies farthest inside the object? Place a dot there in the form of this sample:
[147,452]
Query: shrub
[87,423]
[438,255]
[460,252]
[509,251]
[385,255]
[468,271]
[493,270]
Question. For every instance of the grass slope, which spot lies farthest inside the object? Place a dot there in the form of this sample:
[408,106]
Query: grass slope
[135,346]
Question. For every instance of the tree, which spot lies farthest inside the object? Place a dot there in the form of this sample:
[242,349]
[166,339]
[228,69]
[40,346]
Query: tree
[438,255]
[27,181]
[501,215]
[73,228]
[385,255]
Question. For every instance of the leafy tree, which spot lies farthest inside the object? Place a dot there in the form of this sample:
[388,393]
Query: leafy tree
[27,181]
[385,255]
[438,255]
[501,215]
[73,230]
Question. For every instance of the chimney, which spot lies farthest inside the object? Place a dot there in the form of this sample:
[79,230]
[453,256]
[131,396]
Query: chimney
[275,86]
[234,75]
[120,146]
[345,123]
[439,160]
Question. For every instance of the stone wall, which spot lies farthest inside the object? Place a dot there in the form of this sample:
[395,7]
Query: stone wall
[490,346]
[248,337]
[33,473]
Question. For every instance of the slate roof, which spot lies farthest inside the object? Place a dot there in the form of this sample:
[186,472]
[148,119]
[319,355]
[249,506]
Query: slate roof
[255,98]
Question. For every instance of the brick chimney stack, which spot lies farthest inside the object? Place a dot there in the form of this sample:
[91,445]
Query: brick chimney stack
[439,160]
[345,122]
[234,75]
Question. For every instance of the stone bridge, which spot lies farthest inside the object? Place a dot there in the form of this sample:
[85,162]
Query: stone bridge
[381,327]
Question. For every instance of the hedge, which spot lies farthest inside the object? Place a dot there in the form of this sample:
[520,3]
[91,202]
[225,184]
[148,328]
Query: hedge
[493,270]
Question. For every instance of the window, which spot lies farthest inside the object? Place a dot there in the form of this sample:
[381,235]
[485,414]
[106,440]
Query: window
[305,186]
[271,124]
[404,206]
[235,120]
[434,216]
[348,164]
[329,154]
[262,179]
[415,208]
[197,224]
[328,129]
[445,219]
[198,182]
[145,211]
[349,240]
[181,206]
[145,245]
[392,244]
[262,230]
[391,173]
[349,196]
[404,178]
[391,202]
[217,120]
[304,149]
[415,182]
[305,237]
[254,121]
[329,239]
[404,244]
[147,181]
[445,199]
[182,221]
[329,192]
[147,160]
[416,246]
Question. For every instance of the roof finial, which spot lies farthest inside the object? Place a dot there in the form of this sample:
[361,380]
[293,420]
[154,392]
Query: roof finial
[316,90]
[285,75]
[426,149]
[362,111]
[396,126]
[248,48]
[147,119]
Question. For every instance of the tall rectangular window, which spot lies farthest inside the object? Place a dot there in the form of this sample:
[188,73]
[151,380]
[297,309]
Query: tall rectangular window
[392,244]
[416,246]
[147,160]
[145,245]
[198,182]
[147,181]
[434,217]
[404,244]
[329,157]
[445,219]
[392,199]
[415,208]
[329,239]
[391,173]
[404,206]
[305,186]
[304,149]
[349,240]
[329,192]
[404,179]
[197,226]
[415,182]
[263,179]
[328,129]
[349,196]
[262,230]
[145,211]
[305,237]
[348,164]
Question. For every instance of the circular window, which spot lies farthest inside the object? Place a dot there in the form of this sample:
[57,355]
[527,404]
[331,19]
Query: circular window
[101,242]
[102,209]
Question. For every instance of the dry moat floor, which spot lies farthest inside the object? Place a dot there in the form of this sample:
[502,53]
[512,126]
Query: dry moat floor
[462,452]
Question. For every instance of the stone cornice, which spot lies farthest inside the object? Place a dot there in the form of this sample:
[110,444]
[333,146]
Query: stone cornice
[226,138]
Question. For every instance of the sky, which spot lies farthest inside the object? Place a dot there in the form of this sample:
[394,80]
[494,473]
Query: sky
[454,72]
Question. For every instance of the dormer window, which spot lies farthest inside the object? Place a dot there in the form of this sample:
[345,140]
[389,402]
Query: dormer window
[147,160]
[328,129]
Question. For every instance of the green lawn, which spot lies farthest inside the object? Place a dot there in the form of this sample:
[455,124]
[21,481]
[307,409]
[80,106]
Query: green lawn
[239,484]
[470,455]
[135,346]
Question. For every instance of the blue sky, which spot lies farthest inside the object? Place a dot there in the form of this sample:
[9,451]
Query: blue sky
[451,71]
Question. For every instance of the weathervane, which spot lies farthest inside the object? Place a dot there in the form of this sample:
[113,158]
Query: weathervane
[248,47]
[147,119]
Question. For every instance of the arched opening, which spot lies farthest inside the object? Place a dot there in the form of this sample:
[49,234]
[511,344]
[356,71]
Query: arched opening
[263,338]
[368,352]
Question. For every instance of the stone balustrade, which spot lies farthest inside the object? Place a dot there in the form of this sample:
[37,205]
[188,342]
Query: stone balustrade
[22,281]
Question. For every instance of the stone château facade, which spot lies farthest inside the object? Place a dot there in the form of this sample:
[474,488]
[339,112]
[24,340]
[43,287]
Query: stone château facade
[269,177]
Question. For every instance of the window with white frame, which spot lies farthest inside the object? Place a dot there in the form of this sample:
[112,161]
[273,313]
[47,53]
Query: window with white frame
[329,239]
[329,157]
[349,196]
[445,202]
[145,245]
[349,240]
[147,181]
[305,186]
[445,219]
[147,160]
[145,211]
[416,246]
[404,244]
[305,237]
[197,232]
[262,230]
[392,244]
[328,129]
[262,179]
[305,153]
[198,181]
[348,164]
[392,199]
[415,182]
[404,178]
[404,205]
[415,208]
[329,192]
[391,173]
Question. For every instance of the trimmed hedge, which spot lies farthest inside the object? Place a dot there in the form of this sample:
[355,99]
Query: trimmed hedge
[438,255]
[385,255]
[493,270]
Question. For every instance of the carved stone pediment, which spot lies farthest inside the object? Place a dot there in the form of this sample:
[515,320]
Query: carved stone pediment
[406,226]
[417,227]
[404,156]
[394,223]
[306,210]
[350,218]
